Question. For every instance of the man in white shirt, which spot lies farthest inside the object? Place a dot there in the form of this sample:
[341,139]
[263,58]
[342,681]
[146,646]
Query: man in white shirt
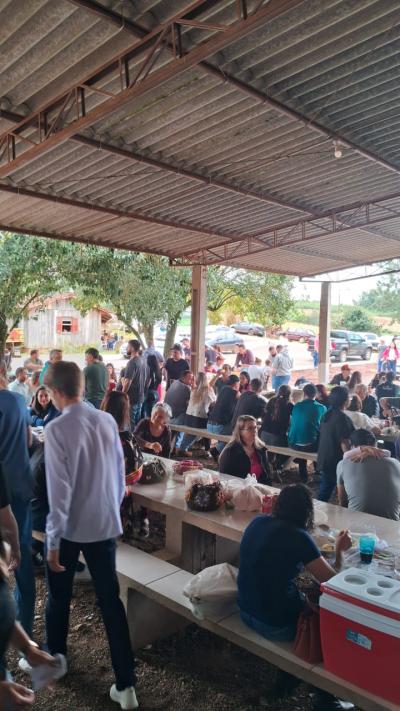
[85,475]
[281,367]
[20,385]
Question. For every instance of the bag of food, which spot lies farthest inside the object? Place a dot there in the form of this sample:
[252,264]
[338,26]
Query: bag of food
[213,592]
[203,491]
[248,498]
[179,469]
[153,472]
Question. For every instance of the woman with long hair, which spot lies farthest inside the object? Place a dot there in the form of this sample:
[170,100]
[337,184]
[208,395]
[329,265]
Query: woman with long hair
[42,409]
[246,453]
[358,418]
[273,550]
[276,420]
[201,399]
[112,377]
[355,379]
[154,381]
[244,379]
[391,355]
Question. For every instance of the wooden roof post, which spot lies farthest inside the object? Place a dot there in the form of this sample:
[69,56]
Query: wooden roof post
[324,333]
[199,316]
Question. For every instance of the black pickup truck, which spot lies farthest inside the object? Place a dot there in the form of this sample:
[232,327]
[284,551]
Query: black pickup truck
[346,344]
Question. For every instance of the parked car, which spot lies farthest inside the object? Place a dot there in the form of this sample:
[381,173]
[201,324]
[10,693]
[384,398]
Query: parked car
[225,341]
[372,338]
[346,344]
[253,329]
[213,331]
[298,334]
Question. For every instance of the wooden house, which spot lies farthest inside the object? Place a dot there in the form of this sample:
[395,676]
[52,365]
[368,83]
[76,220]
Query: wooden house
[57,323]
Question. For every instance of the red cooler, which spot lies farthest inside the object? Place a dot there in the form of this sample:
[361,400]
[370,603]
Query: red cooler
[360,630]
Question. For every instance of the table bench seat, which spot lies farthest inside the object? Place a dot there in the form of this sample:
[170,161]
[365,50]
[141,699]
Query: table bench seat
[157,607]
[201,433]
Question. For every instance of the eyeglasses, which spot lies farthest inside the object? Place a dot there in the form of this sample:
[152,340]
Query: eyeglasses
[249,429]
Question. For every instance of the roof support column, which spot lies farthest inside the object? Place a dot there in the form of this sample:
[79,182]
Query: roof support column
[324,346]
[198,320]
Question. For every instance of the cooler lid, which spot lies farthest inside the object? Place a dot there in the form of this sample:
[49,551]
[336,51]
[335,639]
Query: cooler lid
[367,586]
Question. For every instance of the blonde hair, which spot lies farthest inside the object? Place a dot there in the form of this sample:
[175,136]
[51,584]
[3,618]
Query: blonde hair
[201,390]
[240,425]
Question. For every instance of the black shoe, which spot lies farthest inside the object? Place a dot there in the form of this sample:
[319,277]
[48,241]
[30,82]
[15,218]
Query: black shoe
[144,528]
[322,701]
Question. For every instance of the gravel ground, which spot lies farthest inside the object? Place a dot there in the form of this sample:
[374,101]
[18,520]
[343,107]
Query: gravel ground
[190,670]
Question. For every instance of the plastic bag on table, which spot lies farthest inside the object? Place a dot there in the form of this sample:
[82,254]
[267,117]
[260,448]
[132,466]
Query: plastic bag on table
[153,472]
[213,591]
[248,497]
[203,491]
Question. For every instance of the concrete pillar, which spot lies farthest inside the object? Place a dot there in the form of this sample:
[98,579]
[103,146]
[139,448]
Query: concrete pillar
[199,316]
[324,332]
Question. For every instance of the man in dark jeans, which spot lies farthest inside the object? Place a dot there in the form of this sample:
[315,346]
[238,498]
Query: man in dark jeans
[85,474]
[334,440]
[134,381]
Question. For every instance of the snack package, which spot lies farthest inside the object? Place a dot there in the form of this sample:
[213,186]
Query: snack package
[44,674]
[179,469]
[213,591]
[248,497]
[153,472]
[203,491]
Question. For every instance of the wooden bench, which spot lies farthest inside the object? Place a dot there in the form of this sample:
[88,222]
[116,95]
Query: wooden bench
[156,607]
[200,433]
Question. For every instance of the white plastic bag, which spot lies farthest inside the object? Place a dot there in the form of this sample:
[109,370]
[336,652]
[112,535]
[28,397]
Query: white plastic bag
[248,497]
[213,592]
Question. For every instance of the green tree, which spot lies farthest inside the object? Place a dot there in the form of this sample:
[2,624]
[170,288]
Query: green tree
[257,296]
[31,268]
[355,318]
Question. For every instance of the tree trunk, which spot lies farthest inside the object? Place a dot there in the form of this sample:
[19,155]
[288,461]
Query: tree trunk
[148,331]
[170,335]
[3,338]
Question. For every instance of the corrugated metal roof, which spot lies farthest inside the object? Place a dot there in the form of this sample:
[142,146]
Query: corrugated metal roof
[334,62]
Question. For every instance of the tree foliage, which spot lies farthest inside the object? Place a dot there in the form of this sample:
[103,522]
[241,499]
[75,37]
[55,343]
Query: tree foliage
[384,299]
[31,268]
[355,318]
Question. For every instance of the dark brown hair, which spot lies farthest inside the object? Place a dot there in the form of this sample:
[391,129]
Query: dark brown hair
[117,404]
[295,505]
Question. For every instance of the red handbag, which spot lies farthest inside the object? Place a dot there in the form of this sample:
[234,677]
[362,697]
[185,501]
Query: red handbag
[307,643]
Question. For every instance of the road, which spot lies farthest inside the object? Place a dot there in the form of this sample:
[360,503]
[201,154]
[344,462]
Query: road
[301,357]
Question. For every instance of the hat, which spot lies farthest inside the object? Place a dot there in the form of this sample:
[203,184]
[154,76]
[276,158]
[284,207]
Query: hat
[232,380]
[345,367]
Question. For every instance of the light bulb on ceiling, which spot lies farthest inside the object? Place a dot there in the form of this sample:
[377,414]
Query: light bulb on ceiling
[337,149]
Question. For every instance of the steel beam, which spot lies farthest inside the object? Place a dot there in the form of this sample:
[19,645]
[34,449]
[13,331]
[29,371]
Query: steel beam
[140,217]
[259,96]
[148,81]
[351,217]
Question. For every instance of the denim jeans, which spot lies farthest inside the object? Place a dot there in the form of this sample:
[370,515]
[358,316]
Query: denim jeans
[303,462]
[192,421]
[100,558]
[392,366]
[315,358]
[150,401]
[219,429]
[280,380]
[25,589]
[178,420]
[286,633]
[136,413]
[327,484]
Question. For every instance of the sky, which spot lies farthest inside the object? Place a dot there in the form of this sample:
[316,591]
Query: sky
[345,293]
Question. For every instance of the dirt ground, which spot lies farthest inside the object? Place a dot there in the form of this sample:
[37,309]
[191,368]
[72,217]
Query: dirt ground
[191,670]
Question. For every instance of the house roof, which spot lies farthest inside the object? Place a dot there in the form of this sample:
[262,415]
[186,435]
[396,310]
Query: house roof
[106,315]
[207,137]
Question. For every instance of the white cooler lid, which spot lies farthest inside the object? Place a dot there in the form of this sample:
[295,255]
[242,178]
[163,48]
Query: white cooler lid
[367,586]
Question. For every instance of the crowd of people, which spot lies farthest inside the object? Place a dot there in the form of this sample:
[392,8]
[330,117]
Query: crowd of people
[97,424]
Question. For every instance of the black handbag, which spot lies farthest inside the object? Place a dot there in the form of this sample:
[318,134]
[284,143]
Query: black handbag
[153,472]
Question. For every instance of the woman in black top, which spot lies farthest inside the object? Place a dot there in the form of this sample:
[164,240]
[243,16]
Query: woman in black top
[245,453]
[322,394]
[275,423]
[155,377]
[153,433]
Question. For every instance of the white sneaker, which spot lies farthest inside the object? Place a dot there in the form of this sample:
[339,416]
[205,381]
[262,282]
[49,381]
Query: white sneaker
[126,698]
[24,665]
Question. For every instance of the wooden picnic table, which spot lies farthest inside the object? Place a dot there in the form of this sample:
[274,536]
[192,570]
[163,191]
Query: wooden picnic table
[198,538]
